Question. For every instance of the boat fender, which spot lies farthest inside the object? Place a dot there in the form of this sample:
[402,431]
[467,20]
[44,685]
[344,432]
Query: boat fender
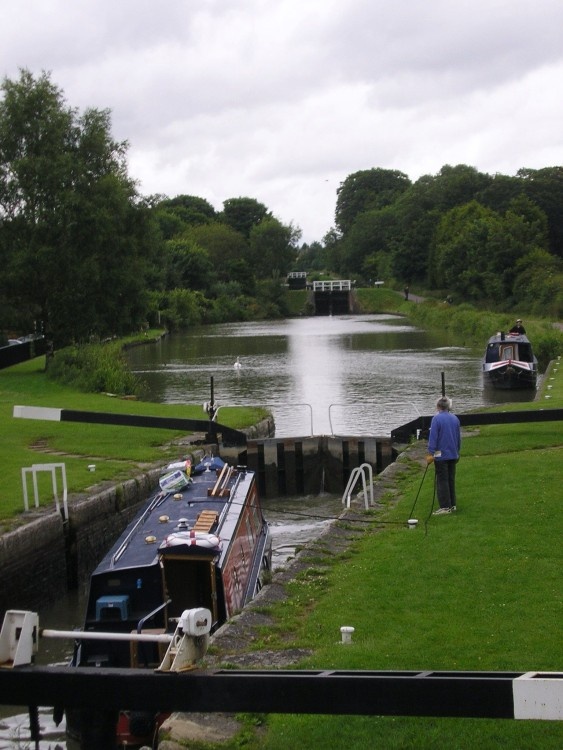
[192,539]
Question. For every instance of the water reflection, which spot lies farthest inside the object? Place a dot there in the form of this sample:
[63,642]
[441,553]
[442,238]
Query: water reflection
[344,375]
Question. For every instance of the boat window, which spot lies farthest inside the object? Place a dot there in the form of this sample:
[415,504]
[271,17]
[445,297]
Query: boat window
[507,351]
[525,353]
[492,353]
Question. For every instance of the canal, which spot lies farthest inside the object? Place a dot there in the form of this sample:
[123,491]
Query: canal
[347,375]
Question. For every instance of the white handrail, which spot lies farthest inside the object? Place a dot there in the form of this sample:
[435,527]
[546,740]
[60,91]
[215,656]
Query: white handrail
[34,469]
[359,471]
[96,635]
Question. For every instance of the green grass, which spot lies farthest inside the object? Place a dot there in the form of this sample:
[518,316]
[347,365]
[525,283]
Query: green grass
[479,590]
[379,300]
[118,452]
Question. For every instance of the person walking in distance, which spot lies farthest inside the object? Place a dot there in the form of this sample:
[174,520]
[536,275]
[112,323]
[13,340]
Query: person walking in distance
[444,445]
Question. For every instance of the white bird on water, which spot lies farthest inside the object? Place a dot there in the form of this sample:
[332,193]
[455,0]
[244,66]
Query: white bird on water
[237,365]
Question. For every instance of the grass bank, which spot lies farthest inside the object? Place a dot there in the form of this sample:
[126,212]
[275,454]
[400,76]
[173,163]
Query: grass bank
[479,591]
[118,452]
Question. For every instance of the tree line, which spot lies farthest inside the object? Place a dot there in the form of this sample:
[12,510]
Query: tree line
[495,240]
[84,256]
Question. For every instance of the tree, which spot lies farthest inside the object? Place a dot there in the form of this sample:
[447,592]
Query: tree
[76,245]
[477,250]
[242,214]
[272,248]
[538,285]
[460,261]
[189,265]
[455,186]
[545,188]
[190,209]
[224,244]
[365,191]
[367,238]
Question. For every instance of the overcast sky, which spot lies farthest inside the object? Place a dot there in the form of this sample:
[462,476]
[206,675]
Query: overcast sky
[280,100]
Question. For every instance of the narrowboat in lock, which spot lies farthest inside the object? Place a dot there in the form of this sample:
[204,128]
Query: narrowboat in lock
[509,362]
[201,541]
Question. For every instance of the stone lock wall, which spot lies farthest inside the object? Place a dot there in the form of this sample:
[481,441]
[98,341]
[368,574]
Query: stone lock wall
[40,561]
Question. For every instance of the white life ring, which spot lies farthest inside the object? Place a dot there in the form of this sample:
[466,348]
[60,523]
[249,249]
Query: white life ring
[192,539]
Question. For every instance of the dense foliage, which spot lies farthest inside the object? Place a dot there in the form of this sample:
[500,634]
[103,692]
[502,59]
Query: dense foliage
[84,257]
[75,245]
[96,368]
[494,240]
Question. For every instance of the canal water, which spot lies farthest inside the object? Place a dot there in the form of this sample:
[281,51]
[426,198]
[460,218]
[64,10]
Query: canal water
[342,375]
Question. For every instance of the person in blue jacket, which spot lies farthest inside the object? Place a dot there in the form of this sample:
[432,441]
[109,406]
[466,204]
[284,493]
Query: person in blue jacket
[444,445]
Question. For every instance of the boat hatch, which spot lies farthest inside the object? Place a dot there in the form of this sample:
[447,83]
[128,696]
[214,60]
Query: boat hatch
[112,608]
[189,582]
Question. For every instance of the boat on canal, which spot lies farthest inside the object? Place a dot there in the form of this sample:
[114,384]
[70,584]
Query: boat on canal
[201,541]
[509,362]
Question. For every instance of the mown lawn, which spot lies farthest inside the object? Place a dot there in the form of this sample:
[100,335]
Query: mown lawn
[118,452]
[479,590]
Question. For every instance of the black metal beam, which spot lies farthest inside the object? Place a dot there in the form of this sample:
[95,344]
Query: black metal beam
[213,429]
[511,417]
[452,694]
[406,431]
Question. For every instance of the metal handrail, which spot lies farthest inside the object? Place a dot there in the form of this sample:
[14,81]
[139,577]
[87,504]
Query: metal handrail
[354,476]
[142,621]
[305,404]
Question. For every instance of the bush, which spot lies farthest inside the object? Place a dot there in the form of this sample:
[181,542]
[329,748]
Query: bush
[547,346]
[94,368]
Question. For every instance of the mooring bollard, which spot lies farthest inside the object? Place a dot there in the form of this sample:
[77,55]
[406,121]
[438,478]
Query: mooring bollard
[346,632]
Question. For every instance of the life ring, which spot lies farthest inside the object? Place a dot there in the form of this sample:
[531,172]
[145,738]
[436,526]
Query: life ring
[192,539]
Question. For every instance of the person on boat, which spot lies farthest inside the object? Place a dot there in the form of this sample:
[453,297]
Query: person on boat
[518,328]
[444,445]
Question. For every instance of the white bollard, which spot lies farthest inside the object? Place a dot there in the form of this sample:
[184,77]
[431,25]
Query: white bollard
[346,632]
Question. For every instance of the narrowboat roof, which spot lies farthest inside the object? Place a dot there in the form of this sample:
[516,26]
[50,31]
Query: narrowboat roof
[139,544]
[508,337]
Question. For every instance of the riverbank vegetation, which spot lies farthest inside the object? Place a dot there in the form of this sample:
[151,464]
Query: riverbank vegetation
[470,325]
